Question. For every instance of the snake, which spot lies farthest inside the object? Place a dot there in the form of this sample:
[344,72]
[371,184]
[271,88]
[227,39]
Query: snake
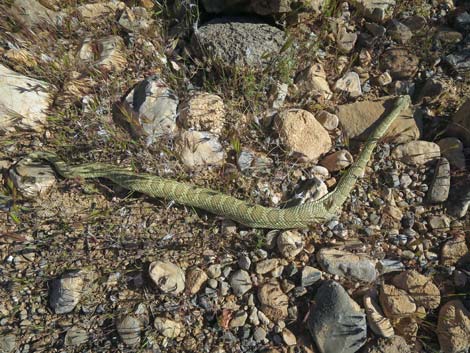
[251,215]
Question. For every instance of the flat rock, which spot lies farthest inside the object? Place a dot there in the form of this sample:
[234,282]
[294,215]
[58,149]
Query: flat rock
[302,134]
[336,322]
[400,63]
[129,329]
[240,282]
[376,319]
[167,327]
[289,244]
[274,303]
[266,266]
[424,292]
[75,336]
[396,302]
[310,275]
[417,152]
[460,123]
[359,119]
[168,277]
[349,85]
[452,149]
[66,291]
[195,279]
[149,110]
[399,32]
[106,54]
[24,102]
[337,160]
[90,13]
[440,185]
[237,42]
[312,82]
[459,62]
[453,327]
[203,112]
[239,319]
[453,250]
[375,10]
[33,13]
[199,148]
[395,344]
[32,178]
[7,343]
[346,264]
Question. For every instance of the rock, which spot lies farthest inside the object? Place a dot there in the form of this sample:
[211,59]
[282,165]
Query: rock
[274,303]
[106,54]
[349,84]
[407,327]
[310,275]
[266,266]
[288,337]
[244,261]
[396,302]
[459,62]
[32,178]
[33,13]
[395,344]
[337,160]
[90,12]
[168,277]
[399,32]
[346,40]
[328,120]
[400,63]
[20,58]
[336,322]
[24,102]
[440,185]
[203,112]
[439,223]
[447,36]
[135,19]
[312,82]
[375,10]
[75,336]
[302,134]
[65,292]
[416,152]
[200,148]
[149,110]
[459,200]
[260,334]
[214,271]
[259,7]
[460,123]
[453,250]
[278,94]
[233,42]
[384,79]
[359,119]
[376,319]
[346,264]
[432,90]
[129,329]
[290,244]
[453,327]
[452,149]
[167,327]
[239,319]
[195,279]
[7,343]
[421,288]
[240,282]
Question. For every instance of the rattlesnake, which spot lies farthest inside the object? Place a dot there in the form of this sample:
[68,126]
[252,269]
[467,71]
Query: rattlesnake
[255,216]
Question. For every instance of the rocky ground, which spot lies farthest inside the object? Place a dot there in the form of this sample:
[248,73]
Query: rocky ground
[268,101]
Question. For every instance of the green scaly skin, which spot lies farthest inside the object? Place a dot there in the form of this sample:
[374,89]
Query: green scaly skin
[255,216]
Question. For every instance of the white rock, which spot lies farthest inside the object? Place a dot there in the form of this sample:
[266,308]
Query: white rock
[349,84]
[167,327]
[312,81]
[32,178]
[290,244]
[337,160]
[328,120]
[24,102]
[200,148]
[106,54]
[168,277]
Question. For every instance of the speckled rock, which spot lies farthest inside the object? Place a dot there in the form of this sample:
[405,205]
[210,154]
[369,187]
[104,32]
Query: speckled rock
[400,63]
[75,336]
[349,85]
[90,12]
[453,250]
[302,134]
[336,322]
[376,10]
[106,54]
[289,244]
[195,279]
[168,277]
[440,185]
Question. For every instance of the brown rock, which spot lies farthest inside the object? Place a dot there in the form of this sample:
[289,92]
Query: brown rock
[453,327]
[274,302]
[460,126]
[395,344]
[337,160]
[195,278]
[302,134]
[360,118]
[417,152]
[400,63]
[376,319]
[396,302]
[453,250]
[406,327]
[420,287]
[312,82]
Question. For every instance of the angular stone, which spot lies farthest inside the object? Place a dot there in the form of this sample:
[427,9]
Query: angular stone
[349,84]
[337,160]
[453,327]
[453,250]
[167,327]
[289,244]
[274,303]
[440,185]
[24,102]
[302,134]
[33,13]
[375,10]
[195,278]
[336,322]
[416,152]
[452,149]
[200,148]
[424,292]
[328,120]
[396,302]
[312,82]
[400,63]
[129,329]
[310,275]
[240,282]
[346,264]
[359,119]
[376,319]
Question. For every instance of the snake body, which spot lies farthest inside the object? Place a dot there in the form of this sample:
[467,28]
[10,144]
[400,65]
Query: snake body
[251,215]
